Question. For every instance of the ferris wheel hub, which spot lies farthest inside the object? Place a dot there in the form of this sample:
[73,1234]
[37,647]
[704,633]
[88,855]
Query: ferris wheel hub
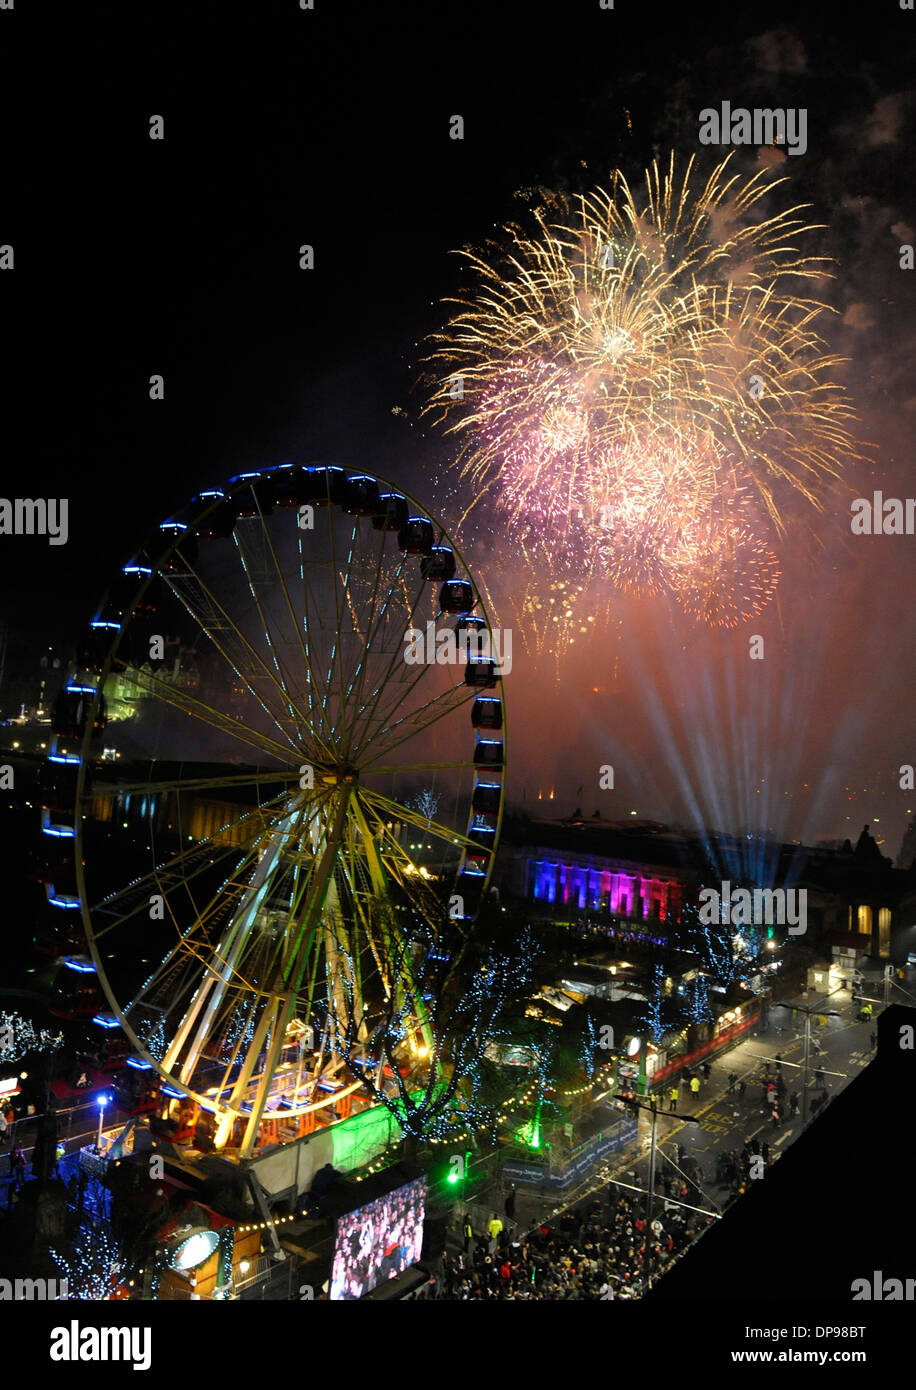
[335,777]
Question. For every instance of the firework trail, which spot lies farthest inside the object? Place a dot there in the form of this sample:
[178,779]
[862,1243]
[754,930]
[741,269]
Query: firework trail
[643,360]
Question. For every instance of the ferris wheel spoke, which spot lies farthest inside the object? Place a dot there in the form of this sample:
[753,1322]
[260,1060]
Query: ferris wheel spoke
[315,691]
[178,865]
[364,636]
[335,654]
[361,894]
[249,779]
[186,703]
[395,810]
[213,622]
[299,626]
[295,714]
[400,866]
[344,599]
[371,705]
[466,765]
[374,625]
[428,714]
[402,690]
[389,948]
[217,620]
[227,954]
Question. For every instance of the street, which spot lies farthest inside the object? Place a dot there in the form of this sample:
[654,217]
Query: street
[717,1122]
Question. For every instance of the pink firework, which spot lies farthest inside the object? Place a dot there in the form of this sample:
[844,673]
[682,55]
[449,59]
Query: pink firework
[723,571]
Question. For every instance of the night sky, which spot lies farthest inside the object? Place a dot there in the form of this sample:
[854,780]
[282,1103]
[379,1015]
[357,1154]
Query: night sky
[331,127]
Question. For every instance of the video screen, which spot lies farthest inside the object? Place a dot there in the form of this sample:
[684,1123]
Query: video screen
[378,1241]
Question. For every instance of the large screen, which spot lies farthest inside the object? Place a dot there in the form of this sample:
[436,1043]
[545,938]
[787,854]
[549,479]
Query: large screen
[378,1241]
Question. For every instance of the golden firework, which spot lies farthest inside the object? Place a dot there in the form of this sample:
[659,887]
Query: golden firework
[678,314]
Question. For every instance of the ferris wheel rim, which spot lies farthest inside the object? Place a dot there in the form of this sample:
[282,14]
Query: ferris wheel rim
[238,484]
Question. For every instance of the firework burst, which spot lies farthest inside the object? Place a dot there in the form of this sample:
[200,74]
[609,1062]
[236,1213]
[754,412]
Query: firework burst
[722,570]
[646,355]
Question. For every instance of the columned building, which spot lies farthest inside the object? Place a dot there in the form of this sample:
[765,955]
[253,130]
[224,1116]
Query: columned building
[635,872]
[586,882]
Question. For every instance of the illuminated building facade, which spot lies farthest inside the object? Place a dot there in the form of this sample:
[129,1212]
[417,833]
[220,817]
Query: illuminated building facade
[622,889]
[638,873]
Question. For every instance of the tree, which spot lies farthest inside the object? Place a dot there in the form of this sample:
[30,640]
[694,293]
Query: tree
[417,1039]
[697,1004]
[426,802]
[95,1263]
[725,954]
[653,1017]
[18,1037]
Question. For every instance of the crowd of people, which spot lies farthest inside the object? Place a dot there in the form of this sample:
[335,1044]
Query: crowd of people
[596,1251]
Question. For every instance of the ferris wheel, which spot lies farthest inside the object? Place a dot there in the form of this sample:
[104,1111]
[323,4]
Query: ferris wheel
[284,737]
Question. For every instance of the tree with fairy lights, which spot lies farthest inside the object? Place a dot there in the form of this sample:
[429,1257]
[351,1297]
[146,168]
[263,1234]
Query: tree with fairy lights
[653,1019]
[18,1037]
[426,802]
[417,1031]
[239,1029]
[590,1048]
[697,1005]
[152,1035]
[95,1263]
[727,952]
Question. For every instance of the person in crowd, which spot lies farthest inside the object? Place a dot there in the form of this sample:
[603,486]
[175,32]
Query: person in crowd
[17,1166]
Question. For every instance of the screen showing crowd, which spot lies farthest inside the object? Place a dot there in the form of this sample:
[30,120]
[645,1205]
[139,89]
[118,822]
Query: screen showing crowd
[378,1241]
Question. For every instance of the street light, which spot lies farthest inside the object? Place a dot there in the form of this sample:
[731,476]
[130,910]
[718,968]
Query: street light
[889,984]
[103,1101]
[652,1106]
[808,1010]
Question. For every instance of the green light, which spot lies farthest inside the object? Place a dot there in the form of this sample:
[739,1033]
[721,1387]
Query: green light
[530,1134]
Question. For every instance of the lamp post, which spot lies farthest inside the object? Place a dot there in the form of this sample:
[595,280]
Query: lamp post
[652,1105]
[808,1010]
[648,1230]
[103,1101]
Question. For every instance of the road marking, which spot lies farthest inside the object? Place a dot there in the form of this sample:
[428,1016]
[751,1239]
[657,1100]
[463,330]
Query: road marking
[782,1138]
